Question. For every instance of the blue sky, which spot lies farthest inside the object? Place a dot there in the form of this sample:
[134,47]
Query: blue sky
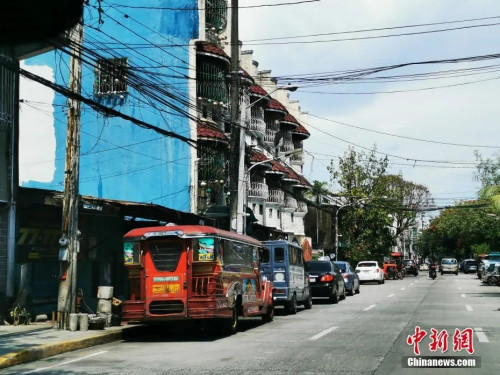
[466,114]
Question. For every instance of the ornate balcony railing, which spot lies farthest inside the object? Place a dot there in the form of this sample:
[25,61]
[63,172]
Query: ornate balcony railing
[216,14]
[258,190]
[301,207]
[276,196]
[270,136]
[291,203]
[257,125]
[287,146]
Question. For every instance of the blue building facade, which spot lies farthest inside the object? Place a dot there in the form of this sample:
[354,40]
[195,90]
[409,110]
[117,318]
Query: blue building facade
[137,60]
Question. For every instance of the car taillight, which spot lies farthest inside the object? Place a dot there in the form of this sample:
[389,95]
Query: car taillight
[377,270]
[326,278]
[279,291]
[346,276]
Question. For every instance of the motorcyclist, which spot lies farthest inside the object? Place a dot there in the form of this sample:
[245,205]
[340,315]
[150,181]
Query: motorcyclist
[433,269]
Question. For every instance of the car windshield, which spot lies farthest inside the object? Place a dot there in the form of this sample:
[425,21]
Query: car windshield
[318,266]
[342,266]
[449,261]
[367,264]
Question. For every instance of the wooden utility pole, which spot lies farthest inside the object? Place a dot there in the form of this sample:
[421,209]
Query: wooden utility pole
[234,156]
[70,236]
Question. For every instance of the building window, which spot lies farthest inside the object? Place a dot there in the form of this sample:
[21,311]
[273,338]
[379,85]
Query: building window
[111,76]
[261,209]
[291,217]
[278,214]
[270,213]
[253,207]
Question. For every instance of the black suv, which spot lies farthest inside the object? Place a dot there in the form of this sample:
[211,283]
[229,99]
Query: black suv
[411,267]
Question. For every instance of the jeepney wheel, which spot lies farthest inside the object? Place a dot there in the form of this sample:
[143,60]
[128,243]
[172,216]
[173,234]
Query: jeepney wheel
[292,305]
[269,315]
[230,326]
[308,304]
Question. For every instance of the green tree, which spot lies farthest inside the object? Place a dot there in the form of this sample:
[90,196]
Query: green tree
[488,173]
[461,231]
[365,226]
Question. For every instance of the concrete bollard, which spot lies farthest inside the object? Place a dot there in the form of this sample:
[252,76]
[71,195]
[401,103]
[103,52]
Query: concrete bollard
[84,322]
[73,322]
[104,306]
[105,292]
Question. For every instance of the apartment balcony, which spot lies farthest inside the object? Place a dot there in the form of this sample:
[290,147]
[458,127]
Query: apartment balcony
[257,125]
[270,136]
[286,147]
[258,190]
[290,204]
[301,209]
[276,197]
[297,157]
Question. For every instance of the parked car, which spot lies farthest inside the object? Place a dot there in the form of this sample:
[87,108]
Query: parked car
[351,278]
[470,265]
[369,270]
[410,267]
[424,267]
[326,280]
[449,265]
[490,272]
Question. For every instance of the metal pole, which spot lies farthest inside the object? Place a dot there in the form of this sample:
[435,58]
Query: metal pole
[67,287]
[234,157]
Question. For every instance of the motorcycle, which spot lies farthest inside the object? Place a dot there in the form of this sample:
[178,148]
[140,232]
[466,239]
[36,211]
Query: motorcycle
[432,272]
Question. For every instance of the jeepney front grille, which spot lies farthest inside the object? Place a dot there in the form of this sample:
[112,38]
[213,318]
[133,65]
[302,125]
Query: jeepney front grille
[166,307]
[206,286]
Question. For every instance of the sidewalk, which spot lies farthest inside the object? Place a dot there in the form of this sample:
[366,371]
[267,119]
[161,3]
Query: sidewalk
[25,343]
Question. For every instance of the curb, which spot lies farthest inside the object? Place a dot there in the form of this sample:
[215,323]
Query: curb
[49,350]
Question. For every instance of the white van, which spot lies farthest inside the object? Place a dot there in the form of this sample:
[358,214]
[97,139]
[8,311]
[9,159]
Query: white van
[449,265]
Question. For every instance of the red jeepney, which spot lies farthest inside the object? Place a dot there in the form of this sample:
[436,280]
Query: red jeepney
[195,272]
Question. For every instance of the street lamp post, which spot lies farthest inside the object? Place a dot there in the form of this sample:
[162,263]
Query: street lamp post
[362,200]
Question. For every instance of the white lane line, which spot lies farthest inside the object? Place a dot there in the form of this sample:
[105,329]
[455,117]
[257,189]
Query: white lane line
[402,289]
[481,336]
[67,362]
[411,284]
[369,307]
[390,295]
[469,308]
[321,334]
[463,295]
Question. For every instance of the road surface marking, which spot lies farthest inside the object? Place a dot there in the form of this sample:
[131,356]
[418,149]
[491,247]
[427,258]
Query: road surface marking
[481,336]
[67,362]
[402,289]
[369,307]
[390,295]
[411,284]
[463,295]
[321,334]
[469,308]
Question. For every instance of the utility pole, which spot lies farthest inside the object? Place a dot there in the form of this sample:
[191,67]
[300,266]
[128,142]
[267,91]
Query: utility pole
[234,157]
[69,241]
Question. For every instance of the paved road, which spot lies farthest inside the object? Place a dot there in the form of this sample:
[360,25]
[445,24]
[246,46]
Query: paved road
[365,334]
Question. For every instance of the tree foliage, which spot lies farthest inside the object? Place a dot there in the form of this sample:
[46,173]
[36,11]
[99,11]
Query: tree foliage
[461,231]
[379,207]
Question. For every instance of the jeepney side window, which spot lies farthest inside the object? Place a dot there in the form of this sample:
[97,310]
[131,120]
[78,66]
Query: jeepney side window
[237,254]
[131,253]
[279,255]
[204,249]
